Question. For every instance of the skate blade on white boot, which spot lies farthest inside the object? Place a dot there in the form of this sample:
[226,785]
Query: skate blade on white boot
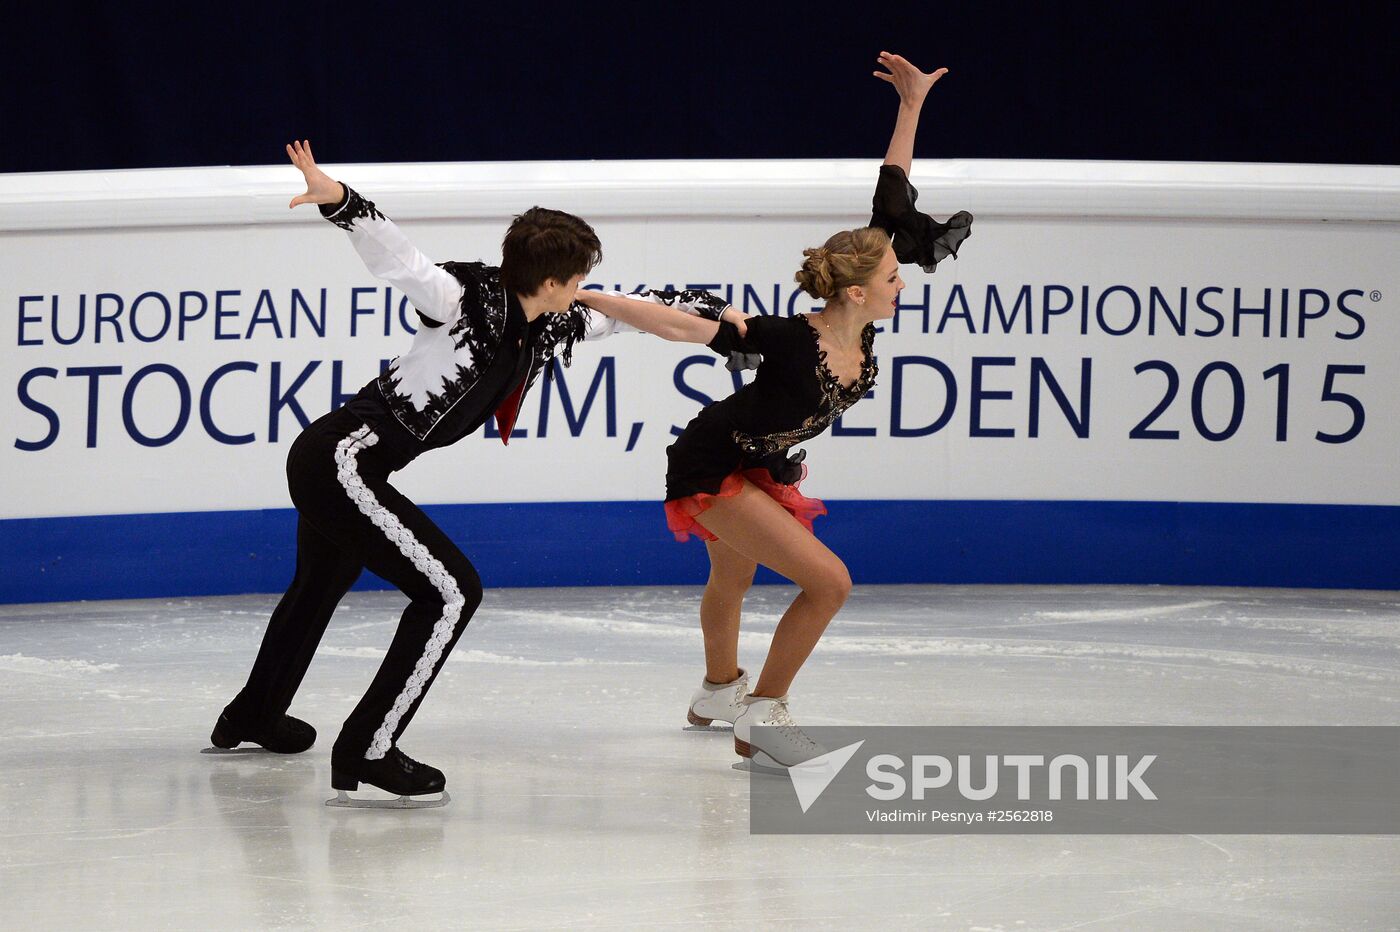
[755,760]
[705,725]
[343,800]
[759,762]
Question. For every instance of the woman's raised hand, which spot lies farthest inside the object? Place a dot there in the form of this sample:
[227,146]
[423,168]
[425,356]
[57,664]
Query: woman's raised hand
[913,85]
[320,187]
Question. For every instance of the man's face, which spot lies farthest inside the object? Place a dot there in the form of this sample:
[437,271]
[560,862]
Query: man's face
[561,294]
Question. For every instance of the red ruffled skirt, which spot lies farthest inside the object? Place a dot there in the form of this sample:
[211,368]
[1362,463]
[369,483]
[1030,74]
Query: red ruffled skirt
[681,512]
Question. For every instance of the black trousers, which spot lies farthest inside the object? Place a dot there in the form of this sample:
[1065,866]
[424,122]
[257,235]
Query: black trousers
[350,518]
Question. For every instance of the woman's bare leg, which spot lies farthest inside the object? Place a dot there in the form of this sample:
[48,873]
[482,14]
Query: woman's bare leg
[731,575]
[756,527]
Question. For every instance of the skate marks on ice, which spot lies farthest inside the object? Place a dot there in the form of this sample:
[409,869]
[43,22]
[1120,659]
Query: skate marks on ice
[1322,634]
[59,668]
[460,655]
[1242,630]
[112,822]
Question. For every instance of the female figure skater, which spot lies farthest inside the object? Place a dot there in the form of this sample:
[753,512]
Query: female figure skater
[730,479]
[485,336]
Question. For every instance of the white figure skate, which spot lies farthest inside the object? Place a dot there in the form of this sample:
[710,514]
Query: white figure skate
[717,702]
[782,746]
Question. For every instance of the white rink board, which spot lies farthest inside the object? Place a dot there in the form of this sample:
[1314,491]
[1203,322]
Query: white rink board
[68,238]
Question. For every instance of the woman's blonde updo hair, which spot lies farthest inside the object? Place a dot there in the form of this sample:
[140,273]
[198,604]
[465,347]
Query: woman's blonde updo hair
[848,258]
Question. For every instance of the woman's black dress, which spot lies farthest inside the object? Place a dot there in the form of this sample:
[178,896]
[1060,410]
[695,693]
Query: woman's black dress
[793,397]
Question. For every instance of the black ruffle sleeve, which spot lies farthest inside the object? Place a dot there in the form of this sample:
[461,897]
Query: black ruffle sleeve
[917,237]
[739,352]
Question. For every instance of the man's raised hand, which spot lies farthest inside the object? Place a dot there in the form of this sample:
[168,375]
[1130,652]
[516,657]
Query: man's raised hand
[320,187]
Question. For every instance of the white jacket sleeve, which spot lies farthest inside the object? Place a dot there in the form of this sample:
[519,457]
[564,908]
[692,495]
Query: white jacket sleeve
[697,303]
[389,255]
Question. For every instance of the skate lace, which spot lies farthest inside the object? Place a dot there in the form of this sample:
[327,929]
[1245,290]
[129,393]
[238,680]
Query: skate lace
[782,718]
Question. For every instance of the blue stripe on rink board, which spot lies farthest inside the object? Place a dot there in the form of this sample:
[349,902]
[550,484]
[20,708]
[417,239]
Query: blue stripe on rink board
[626,543]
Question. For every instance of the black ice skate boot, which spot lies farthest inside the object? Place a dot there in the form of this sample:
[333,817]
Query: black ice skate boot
[396,773]
[288,736]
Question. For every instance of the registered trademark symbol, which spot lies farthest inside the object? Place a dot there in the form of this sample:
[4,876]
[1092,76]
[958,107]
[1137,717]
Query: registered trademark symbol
[1375,296]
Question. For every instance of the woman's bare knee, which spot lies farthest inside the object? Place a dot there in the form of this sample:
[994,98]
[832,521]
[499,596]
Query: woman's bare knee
[830,587]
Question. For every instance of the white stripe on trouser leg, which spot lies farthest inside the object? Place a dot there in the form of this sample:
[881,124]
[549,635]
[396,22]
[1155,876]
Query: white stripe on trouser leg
[422,559]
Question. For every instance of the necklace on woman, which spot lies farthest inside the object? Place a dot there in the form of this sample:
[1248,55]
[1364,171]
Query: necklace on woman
[832,334]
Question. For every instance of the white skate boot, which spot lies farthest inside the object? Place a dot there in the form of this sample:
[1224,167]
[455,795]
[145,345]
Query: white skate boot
[714,702]
[775,750]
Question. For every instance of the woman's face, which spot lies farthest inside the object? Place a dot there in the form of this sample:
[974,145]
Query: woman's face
[882,291]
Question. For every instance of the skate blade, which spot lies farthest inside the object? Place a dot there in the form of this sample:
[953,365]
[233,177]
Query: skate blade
[760,762]
[239,750]
[344,800]
[717,727]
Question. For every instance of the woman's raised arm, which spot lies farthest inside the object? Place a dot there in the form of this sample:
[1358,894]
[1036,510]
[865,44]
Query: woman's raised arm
[913,86]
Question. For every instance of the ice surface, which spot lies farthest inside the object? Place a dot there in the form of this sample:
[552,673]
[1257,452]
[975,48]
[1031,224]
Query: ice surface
[579,801]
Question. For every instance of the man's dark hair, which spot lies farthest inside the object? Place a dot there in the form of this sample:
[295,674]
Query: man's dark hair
[543,243]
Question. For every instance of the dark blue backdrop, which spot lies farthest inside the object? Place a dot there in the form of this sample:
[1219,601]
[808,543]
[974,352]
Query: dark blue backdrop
[142,85]
[106,86]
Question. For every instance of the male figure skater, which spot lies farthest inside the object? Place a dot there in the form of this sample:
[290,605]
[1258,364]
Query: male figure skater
[486,334]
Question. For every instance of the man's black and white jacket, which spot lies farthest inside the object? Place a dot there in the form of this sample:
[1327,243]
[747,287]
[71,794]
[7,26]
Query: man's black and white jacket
[474,354]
